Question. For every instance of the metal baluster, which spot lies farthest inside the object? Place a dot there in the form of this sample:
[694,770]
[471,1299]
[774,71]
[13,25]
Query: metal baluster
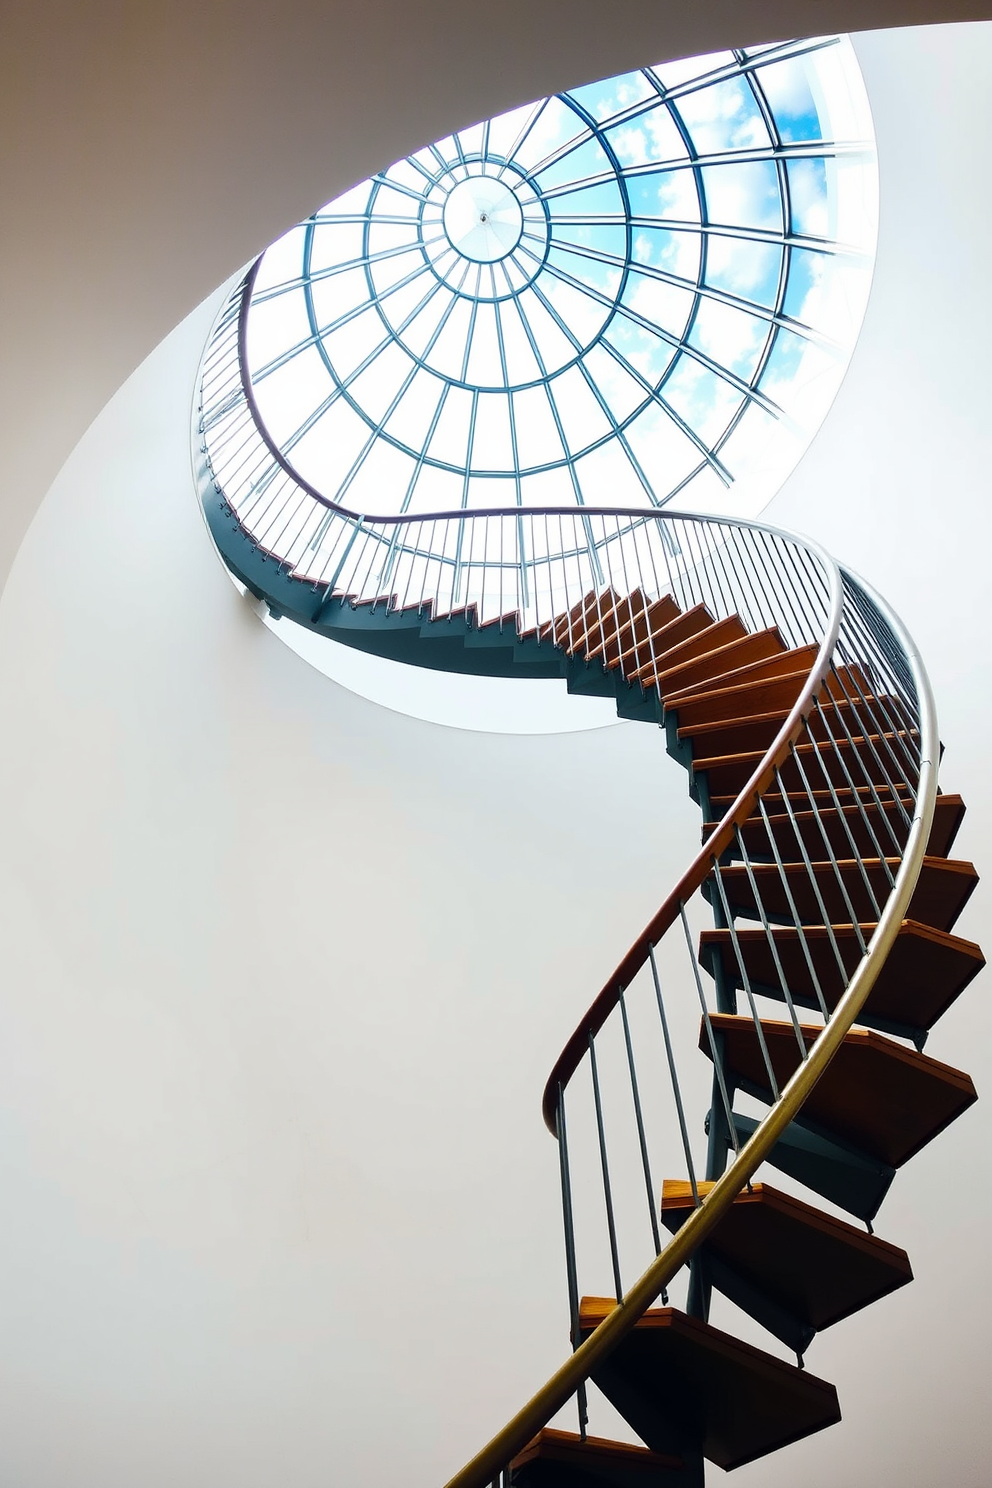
[797,920]
[711,1037]
[607,1190]
[673,1075]
[570,1266]
[645,1164]
[746,981]
[821,906]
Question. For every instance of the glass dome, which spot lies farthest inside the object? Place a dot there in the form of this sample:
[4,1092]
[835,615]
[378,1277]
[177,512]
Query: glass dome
[645,290]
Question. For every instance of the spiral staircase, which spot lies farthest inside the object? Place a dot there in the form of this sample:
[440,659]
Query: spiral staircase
[808,948]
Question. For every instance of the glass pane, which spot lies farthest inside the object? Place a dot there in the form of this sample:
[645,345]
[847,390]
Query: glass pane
[558,298]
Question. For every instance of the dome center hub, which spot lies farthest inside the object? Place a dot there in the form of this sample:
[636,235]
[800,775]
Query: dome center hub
[483,219]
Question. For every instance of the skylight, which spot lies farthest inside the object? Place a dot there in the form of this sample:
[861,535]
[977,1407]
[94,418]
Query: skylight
[643,291]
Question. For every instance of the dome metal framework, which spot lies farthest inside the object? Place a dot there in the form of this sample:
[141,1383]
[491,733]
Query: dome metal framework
[642,289]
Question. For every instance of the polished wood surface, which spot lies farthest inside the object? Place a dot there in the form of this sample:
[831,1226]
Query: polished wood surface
[925,971]
[563,1459]
[631,635]
[865,823]
[871,759]
[679,1382]
[944,888]
[702,643]
[883,1098]
[810,1265]
[760,655]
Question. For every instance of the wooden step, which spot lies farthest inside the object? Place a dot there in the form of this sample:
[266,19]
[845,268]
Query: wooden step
[790,1266]
[758,698]
[942,890]
[633,627]
[682,1384]
[574,623]
[507,624]
[605,623]
[869,759]
[594,622]
[701,643]
[757,656]
[833,720]
[826,796]
[925,972]
[667,637]
[851,818]
[882,1098]
[562,1459]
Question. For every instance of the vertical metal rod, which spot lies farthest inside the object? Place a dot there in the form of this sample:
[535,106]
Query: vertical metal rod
[899,767]
[856,856]
[750,610]
[776,580]
[796,917]
[724,583]
[642,1140]
[673,1074]
[820,753]
[858,793]
[607,1190]
[746,981]
[710,1035]
[821,906]
[770,937]
[570,1266]
[866,739]
[909,747]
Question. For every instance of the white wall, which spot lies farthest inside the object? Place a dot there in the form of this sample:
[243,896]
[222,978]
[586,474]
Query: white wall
[286,971]
[897,485]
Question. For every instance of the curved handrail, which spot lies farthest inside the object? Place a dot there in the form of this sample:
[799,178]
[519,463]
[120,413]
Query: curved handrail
[702,1220]
[714,846]
[836,581]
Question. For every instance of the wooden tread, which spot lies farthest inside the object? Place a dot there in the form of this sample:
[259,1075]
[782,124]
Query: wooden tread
[926,969]
[760,655]
[667,653]
[666,638]
[882,1098]
[680,1383]
[562,1459]
[942,890]
[606,620]
[756,731]
[631,627]
[567,629]
[793,1268]
[861,821]
[749,699]
[870,759]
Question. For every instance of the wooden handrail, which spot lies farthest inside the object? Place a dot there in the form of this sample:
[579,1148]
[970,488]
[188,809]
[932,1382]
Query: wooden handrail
[718,841]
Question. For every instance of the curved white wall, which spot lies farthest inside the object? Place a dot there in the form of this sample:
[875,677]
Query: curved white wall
[257,931]
[286,972]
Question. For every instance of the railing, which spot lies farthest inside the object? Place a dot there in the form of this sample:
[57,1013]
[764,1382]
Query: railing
[858,738]
[897,777]
[531,565]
